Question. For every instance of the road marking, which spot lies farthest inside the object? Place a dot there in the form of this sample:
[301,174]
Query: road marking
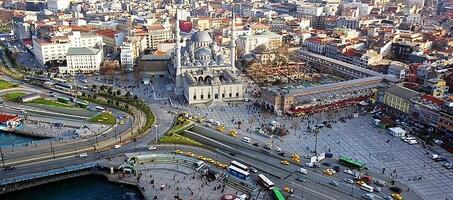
[314,191]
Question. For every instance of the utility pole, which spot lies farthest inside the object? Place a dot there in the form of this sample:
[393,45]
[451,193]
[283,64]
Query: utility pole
[316,132]
[3,159]
[51,149]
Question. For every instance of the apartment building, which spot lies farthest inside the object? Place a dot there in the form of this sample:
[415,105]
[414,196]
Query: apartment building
[246,43]
[55,48]
[82,60]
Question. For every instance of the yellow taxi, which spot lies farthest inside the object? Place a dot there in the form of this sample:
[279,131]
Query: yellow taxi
[202,158]
[288,190]
[360,183]
[220,128]
[189,154]
[397,196]
[178,151]
[328,172]
[233,133]
[284,162]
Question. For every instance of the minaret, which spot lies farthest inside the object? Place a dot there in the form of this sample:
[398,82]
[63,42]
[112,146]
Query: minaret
[233,45]
[178,46]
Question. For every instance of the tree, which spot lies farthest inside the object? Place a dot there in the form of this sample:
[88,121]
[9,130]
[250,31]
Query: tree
[117,103]
[83,94]
[118,92]
[128,95]
[94,87]
[102,87]
[135,97]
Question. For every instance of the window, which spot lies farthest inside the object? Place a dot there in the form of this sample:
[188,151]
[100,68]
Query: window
[194,97]
[223,95]
[202,96]
[209,96]
[237,94]
[230,95]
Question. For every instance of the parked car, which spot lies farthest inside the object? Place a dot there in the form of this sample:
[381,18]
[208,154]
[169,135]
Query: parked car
[152,148]
[311,165]
[83,155]
[9,168]
[302,170]
[254,170]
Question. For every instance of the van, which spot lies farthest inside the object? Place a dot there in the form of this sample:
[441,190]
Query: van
[246,140]
[380,182]
[367,188]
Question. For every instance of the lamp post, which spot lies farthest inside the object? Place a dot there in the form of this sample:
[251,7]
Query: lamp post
[3,159]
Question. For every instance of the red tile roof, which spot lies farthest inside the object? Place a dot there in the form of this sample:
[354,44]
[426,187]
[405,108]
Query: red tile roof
[433,99]
[7,117]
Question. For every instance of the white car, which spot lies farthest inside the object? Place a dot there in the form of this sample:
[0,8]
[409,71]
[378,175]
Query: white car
[278,149]
[302,170]
[311,165]
[348,171]
[117,146]
[152,148]
[83,155]
[246,140]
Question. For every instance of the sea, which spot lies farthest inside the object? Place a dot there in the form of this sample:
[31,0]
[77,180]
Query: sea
[90,187]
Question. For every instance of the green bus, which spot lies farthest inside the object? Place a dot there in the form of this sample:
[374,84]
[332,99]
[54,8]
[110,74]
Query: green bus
[63,100]
[82,104]
[277,194]
[353,163]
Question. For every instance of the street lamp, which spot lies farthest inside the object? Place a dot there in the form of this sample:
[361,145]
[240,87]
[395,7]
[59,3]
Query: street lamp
[3,159]
[156,130]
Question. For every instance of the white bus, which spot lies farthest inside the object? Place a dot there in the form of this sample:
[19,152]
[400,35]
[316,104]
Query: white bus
[239,165]
[238,172]
[268,184]
[367,188]
[99,109]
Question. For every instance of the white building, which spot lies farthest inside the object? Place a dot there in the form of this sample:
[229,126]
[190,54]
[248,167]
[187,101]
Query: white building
[246,43]
[57,5]
[55,48]
[310,10]
[82,60]
[201,71]
[130,50]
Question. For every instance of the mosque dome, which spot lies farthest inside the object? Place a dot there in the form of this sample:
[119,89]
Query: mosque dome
[201,36]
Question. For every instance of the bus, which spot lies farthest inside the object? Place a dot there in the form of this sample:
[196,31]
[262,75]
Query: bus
[238,172]
[277,194]
[99,109]
[353,163]
[63,86]
[81,104]
[239,165]
[268,184]
[63,99]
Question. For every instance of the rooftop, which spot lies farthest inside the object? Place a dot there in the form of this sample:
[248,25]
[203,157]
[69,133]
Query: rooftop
[82,51]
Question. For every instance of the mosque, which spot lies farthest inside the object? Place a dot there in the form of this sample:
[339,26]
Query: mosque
[204,71]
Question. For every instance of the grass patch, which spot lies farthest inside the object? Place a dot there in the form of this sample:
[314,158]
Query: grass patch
[179,139]
[48,102]
[5,85]
[13,96]
[103,118]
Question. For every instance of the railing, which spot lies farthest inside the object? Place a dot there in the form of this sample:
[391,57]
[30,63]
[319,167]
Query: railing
[53,172]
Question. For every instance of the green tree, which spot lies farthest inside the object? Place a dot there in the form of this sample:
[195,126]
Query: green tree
[102,87]
[118,92]
[128,95]
[135,97]
[94,87]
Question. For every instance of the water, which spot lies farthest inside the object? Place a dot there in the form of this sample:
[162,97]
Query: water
[8,139]
[89,187]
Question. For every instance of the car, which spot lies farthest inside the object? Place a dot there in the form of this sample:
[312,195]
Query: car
[190,154]
[348,171]
[278,149]
[254,170]
[368,196]
[246,140]
[117,146]
[288,190]
[282,154]
[232,154]
[152,148]
[302,179]
[348,180]
[83,155]
[9,168]
[302,170]
[327,164]
[177,151]
[336,168]
[333,183]
[328,172]
[448,165]
[284,162]
[256,144]
[310,165]
[388,197]
[202,158]
[395,189]
[440,159]
[396,196]
[360,183]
